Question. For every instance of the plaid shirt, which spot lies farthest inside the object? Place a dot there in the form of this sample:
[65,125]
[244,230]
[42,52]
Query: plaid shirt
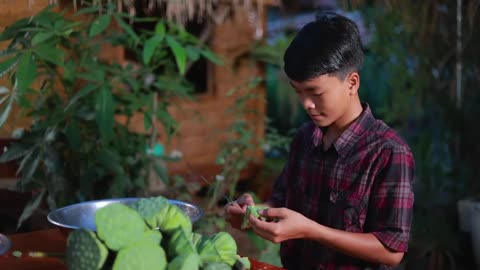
[362,182]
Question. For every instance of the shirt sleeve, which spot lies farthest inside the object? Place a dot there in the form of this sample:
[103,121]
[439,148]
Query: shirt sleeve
[391,200]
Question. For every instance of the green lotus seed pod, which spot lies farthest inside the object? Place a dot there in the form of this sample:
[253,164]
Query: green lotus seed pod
[221,247]
[251,210]
[141,256]
[118,225]
[152,236]
[196,238]
[189,261]
[242,263]
[173,218]
[149,208]
[180,244]
[226,247]
[85,251]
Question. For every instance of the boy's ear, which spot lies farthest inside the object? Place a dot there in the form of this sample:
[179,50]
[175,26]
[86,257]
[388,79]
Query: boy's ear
[353,82]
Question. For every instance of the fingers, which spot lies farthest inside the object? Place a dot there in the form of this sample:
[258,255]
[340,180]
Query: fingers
[234,214]
[245,199]
[274,213]
[264,229]
[234,209]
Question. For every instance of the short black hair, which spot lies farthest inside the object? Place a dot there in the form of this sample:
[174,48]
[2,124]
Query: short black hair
[329,45]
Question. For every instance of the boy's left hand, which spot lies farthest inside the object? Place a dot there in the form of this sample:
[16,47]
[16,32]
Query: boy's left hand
[289,225]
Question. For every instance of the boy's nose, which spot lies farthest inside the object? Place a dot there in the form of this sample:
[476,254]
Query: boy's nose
[308,104]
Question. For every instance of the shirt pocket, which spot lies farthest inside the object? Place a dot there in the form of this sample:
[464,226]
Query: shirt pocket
[345,209]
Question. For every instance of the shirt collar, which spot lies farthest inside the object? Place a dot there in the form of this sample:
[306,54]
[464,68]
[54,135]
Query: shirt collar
[350,136]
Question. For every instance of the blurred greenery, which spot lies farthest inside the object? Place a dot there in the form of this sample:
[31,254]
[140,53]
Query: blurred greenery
[77,147]
[408,79]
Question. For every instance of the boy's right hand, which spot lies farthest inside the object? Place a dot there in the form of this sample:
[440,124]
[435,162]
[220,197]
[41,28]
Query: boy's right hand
[235,210]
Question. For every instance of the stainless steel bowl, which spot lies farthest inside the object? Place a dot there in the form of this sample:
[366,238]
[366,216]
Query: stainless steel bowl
[82,215]
[5,244]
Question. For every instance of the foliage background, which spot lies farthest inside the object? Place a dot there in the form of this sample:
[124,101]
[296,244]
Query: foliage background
[409,79]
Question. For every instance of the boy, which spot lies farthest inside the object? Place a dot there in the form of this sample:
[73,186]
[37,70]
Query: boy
[344,199]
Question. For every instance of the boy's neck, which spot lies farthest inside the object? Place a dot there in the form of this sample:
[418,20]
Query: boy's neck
[339,126]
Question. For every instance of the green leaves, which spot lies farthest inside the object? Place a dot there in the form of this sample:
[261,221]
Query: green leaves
[212,57]
[100,24]
[150,46]
[72,131]
[26,71]
[108,159]
[15,151]
[7,65]
[6,111]
[31,207]
[179,52]
[41,37]
[80,94]
[160,29]
[161,171]
[152,43]
[51,54]
[128,29]
[104,109]
[12,30]
[89,145]
[29,165]
[4,91]
[170,124]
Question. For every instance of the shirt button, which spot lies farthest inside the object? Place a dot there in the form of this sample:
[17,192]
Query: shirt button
[333,197]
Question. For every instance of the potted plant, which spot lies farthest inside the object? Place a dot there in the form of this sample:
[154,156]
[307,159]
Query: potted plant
[79,146]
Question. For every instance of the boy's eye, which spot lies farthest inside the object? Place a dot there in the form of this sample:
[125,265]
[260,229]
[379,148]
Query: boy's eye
[317,95]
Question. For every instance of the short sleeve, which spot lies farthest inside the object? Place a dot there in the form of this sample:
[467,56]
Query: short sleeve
[390,211]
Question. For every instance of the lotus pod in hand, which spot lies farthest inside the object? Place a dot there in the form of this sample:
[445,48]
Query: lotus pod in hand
[221,247]
[180,244]
[189,261]
[251,210]
[141,256]
[118,225]
[173,219]
[149,208]
[85,251]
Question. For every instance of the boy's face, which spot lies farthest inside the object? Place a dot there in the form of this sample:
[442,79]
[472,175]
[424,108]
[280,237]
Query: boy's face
[327,97]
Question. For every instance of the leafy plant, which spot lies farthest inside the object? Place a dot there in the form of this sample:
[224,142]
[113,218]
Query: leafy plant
[284,111]
[235,153]
[79,145]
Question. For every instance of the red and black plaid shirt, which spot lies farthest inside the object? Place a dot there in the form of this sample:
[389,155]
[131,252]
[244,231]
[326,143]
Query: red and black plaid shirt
[360,183]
